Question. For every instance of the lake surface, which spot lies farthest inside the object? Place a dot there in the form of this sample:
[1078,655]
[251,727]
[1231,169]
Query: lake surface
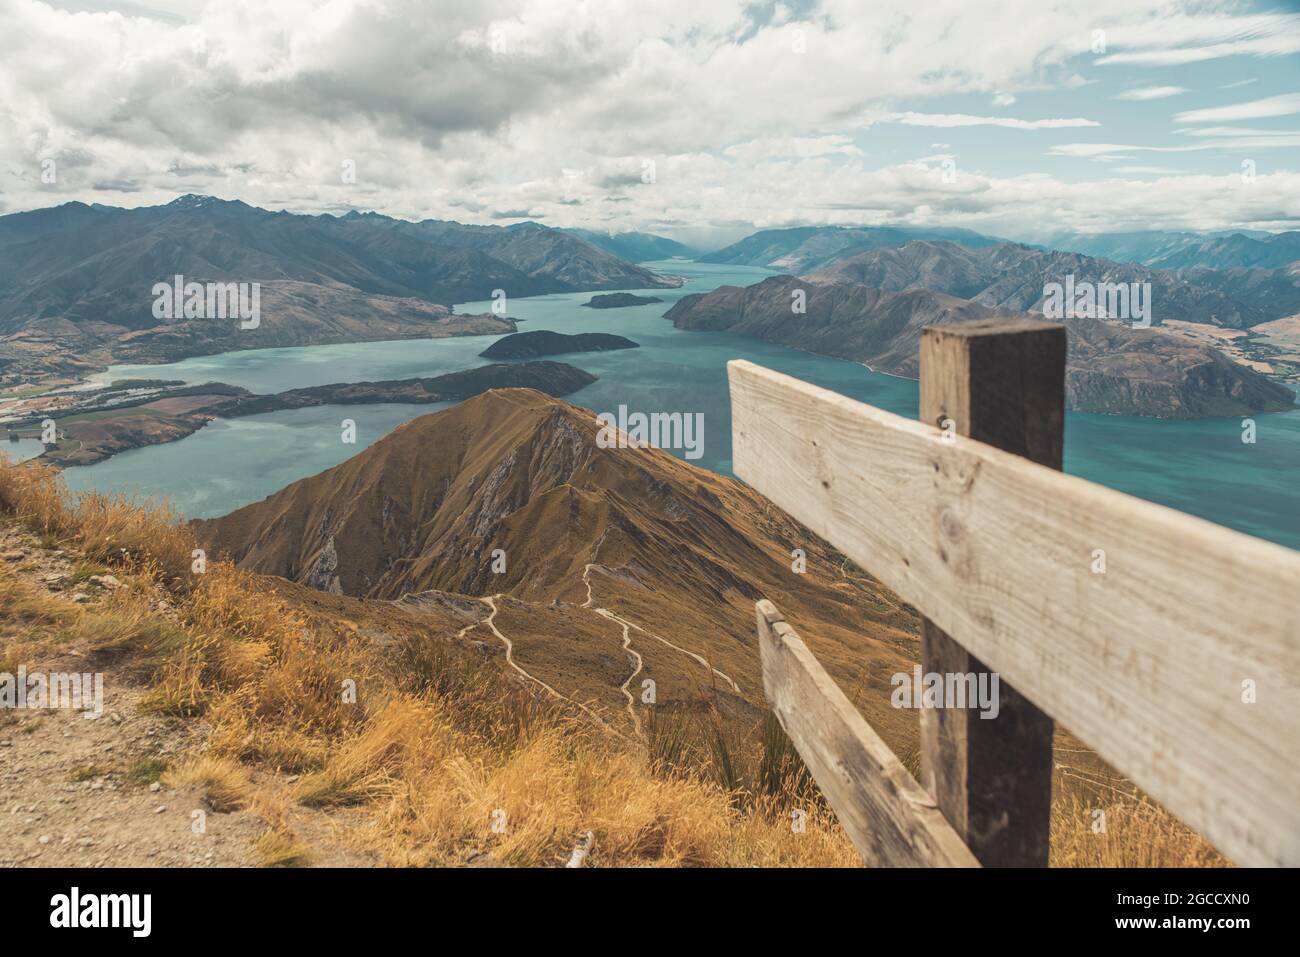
[1201,467]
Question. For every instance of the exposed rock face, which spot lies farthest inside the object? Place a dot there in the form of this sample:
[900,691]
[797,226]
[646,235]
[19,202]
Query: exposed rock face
[1112,368]
[527,345]
[321,575]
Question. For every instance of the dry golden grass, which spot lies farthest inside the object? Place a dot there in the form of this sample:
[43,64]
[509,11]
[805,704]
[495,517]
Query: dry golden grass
[225,784]
[280,849]
[105,528]
[444,757]
[1128,832]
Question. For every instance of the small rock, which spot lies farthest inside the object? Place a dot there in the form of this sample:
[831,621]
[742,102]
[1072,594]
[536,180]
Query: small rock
[160,808]
[44,839]
[14,555]
[105,581]
[155,787]
[80,596]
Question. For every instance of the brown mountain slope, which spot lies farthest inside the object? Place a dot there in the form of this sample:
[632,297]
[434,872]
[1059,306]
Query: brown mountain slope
[1111,368]
[673,554]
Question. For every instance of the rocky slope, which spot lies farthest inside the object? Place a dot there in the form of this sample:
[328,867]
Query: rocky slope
[1111,368]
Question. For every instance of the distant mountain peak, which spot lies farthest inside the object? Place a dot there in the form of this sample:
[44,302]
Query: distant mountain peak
[193,200]
[197,201]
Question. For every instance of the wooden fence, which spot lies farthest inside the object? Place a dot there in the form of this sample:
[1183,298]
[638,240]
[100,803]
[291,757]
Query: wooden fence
[1168,644]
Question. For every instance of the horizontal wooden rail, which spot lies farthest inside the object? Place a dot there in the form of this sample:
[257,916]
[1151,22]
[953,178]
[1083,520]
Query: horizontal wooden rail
[892,820]
[1180,664]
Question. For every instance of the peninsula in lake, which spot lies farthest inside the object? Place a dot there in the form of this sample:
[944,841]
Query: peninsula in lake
[95,432]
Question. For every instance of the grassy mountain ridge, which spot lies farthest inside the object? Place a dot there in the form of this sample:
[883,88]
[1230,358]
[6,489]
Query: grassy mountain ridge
[681,552]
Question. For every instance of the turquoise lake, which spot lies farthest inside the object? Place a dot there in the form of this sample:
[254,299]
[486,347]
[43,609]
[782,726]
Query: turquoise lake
[1201,467]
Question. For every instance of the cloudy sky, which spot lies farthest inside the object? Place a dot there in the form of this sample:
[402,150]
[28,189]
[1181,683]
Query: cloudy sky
[699,119]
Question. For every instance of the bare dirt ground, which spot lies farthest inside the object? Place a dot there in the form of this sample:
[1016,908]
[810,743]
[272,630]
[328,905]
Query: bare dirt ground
[85,792]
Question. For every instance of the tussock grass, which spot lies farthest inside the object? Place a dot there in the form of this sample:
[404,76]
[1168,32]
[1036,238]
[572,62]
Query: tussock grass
[281,849]
[441,757]
[225,784]
[110,529]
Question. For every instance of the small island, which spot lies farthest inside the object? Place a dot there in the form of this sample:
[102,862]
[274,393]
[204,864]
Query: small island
[530,345]
[615,300]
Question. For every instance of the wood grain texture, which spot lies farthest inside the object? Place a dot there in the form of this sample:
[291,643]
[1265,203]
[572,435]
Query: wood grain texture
[1002,382]
[1147,663]
[892,820]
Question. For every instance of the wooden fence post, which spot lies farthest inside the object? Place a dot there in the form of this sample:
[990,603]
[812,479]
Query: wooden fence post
[1001,382]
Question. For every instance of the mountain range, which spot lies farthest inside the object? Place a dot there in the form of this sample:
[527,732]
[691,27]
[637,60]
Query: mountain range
[1111,367]
[635,247]
[805,249]
[1179,250]
[1014,277]
[78,279]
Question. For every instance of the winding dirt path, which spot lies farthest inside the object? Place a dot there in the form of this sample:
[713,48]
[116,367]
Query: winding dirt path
[631,653]
[586,580]
[490,621]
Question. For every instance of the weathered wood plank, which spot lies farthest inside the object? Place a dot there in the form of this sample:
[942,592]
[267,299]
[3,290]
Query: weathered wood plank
[1002,382]
[1151,662]
[892,820]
